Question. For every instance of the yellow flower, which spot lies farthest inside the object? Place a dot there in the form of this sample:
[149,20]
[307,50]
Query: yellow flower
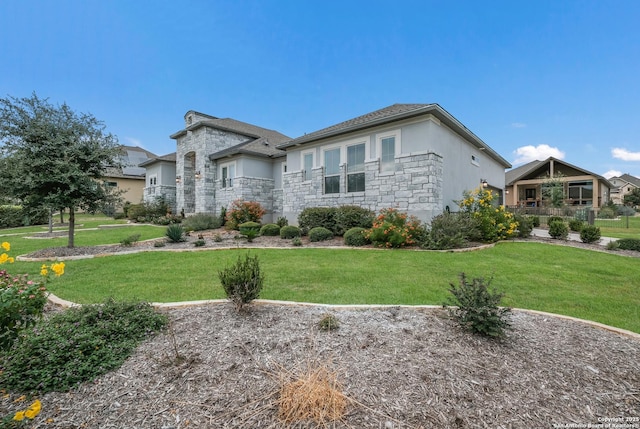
[19,416]
[43,271]
[33,410]
[4,258]
[6,246]
[11,260]
[58,268]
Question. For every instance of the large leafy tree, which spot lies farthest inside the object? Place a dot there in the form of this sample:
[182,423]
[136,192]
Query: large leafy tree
[54,157]
[633,199]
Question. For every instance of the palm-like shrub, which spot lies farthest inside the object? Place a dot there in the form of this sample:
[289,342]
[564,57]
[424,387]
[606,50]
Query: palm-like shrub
[175,233]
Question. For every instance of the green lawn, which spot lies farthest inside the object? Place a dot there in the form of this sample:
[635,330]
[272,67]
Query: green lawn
[618,228]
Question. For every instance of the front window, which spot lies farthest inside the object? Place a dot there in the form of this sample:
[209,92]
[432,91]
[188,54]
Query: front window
[355,168]
[332,171]
[388,153]
[153,180]
[581,193]
[228,174]
[307,165]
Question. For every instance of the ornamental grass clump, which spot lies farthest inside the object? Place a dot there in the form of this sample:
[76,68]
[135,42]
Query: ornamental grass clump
[242,281]
[476,308]
[175,233]
[494,222]
[21,300]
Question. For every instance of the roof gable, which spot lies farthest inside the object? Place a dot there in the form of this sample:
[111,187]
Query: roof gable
[537,169]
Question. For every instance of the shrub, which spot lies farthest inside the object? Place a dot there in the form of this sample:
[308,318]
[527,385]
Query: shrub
[477,308]
[535,221]
[242,282]
[320,234]
[161,243]
[493,221]
[394,229]
[270,230]
[356,237]
[223,216]
[558,229]
[576,225]
[525,226]
[590,234]
[282,221]
[199,242]
[15,216]
[625,211]
[243,211]
[78,345]
[136,211]
[613,245]
[347,217]
[201,222]
[167,220]
[329,322]
[629,244]
[119,215]
[217,238]
[296,241]
[554,219]
[130,240]
[452,230]
[607,213]
[175,233]
[249,230]
[317,216]
[289,231]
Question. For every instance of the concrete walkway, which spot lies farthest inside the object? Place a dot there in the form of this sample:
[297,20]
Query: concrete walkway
[573,236]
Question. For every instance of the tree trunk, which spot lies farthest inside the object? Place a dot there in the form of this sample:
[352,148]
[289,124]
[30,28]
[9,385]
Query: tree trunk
[50,221]
[72,225]
[62,215]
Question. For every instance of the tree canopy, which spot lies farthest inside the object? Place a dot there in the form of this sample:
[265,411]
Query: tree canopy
[54,157]
[633,199]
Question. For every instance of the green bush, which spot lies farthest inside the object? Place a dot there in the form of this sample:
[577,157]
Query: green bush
[394,229]
[175,233]
[320,234]
[282,221]
[590,234]
[130,240]
[135,211]
[270,230]
[296,241]
[629,244]
[613,245]
[317,216]
[16,216]
[243,211]
[558,229]
[329,322]
[356,237]
[201,222]
[242,282]
[535,221]
[525,226]
[199,242]
[249,230]
[476,308]
[167,220]
[607,213]
[347,217]
[78,345]
[576,225]
[451,231]
[494,222]
[289,231]
[554,219]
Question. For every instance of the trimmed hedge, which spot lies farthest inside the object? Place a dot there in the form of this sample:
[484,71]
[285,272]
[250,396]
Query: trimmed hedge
[348,217]
[270,230]
[590,234]
[15,216]
[629,244]
[355,237]
[317,216]
[320,234]
[289,231]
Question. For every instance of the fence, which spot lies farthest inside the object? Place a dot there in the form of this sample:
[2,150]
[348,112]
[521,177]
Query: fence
[603,217]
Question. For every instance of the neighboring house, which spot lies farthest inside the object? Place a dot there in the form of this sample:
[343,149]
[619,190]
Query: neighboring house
[623,185]
[161,179]
[130,177]
[414,157]
[524,184]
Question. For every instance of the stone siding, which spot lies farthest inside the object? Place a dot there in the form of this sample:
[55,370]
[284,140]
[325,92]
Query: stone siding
[414,187]
[161,191]
[248,189]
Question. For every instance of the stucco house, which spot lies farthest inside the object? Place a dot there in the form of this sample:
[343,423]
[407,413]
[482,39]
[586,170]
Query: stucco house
[161,179]
[623,185]
[581,187]
[414,157]
[129,177]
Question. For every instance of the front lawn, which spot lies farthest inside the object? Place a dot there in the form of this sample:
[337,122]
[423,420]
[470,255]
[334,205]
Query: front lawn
[558,279]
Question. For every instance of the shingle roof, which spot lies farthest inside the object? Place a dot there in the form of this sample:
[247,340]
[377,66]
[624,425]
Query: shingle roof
[239,127]
[631,179]
[522,171]
[170,157]
[260,147]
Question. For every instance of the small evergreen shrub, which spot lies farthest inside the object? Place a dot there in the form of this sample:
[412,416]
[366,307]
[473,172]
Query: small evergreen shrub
[476,308]
[525,226]
[347,217]
[167,220]
[289,231]
[356,237]
[613,245]
[223,216]
[136,211]
[576,225]
[535,221]
[217,238]
[78,345]
[629,244]
[175,233]
[590,234]
[130,240]
[451,231]
[558,229]
[551,219]
[296,241]
[282,221]
[242,282]
[329,322]
[607,213]
[199,242]
[249,230]
[320,234]
[161,243]
[270,230]
[201,222]
[244,211]
[312,217]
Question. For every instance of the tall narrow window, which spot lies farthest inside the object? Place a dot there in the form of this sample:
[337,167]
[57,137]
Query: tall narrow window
[332,171]
[355,168]
[388,153]
[228,174]
[307,165]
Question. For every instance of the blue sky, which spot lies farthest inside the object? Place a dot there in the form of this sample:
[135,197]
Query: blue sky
[531,78]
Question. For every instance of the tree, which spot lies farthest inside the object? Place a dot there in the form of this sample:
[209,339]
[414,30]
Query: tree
[633,199]
[54,157]
[553,190]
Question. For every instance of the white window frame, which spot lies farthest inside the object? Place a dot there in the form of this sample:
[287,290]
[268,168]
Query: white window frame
[313,164]
[340,162]
[231,179]
[475,160]
[343,153]
[153,180]
[397,134]
[364,161]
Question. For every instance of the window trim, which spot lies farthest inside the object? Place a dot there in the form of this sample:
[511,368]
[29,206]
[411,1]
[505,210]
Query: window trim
[324,173]
[360,172]
[153,180]
[230,180]
[304,153]
[397,134]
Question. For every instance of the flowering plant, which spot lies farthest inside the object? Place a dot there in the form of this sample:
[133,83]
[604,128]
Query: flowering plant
[243,211]
[394,229]
[21,300]
[495,223]
[19,418]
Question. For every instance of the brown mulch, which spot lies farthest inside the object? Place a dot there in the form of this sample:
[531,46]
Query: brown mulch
[397,367]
